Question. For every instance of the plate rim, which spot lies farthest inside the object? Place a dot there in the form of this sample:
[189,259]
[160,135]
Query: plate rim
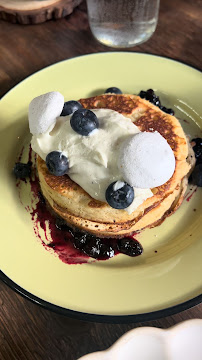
[101,53]
[100,318]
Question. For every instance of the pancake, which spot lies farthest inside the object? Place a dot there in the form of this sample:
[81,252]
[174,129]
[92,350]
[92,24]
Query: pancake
[80,210]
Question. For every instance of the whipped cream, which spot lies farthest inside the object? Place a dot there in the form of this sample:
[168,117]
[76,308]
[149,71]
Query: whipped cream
[92,158]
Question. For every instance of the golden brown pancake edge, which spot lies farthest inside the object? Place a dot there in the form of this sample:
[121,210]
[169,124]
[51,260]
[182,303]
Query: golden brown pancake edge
[72,203]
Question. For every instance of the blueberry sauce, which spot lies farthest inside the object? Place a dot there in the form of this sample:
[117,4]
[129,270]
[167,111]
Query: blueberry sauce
[71,246]
[197,147]
[129,247]
[20,155]
[190,194]
[60,241]
[154,99]
[196,176]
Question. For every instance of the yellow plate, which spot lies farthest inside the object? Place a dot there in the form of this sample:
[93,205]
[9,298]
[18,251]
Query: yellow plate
[121,288]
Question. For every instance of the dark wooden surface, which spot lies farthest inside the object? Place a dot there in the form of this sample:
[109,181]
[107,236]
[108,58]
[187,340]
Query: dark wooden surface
[27,331]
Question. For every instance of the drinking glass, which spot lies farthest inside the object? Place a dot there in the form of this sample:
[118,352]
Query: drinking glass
[122,23]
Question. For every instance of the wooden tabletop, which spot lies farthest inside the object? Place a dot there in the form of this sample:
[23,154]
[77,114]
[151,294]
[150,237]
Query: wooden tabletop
[28,331]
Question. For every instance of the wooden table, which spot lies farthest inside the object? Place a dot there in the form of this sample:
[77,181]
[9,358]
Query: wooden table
[28,331]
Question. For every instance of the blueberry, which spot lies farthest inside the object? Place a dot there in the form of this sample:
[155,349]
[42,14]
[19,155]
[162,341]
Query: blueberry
[166,110]
[113,90]
[70,107]
[95,248]
[130,247]
[79,240]
[150,96]
[57,163]
[121,198]
[198,150]
[106,251]
[92,246]
[143,94]
[61,224]
[154,99]
[84,121]
[197,175]
[22,171]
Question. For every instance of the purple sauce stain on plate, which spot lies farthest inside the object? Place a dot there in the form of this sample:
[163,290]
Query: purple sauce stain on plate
[71,246]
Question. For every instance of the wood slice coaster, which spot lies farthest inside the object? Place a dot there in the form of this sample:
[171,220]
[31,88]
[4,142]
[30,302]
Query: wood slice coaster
[35,11]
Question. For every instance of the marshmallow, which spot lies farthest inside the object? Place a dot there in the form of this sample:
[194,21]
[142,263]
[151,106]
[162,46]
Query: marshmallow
[146,160]
[43,111]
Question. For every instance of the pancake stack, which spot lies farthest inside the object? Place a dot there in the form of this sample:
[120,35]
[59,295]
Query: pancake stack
[81,211]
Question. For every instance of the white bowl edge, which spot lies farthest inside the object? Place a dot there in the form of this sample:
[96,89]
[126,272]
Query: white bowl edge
[182,341]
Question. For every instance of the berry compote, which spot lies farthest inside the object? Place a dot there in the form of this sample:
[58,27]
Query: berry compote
[74,246]
[154,99]
[71,245]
